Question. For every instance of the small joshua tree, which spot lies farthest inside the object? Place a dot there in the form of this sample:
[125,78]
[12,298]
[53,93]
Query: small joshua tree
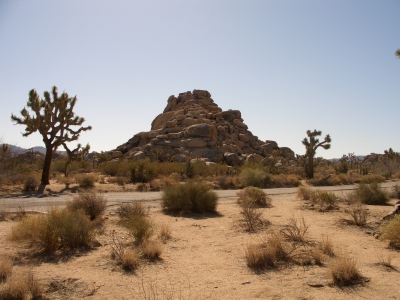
[312,143]
[54,118]
[79,153]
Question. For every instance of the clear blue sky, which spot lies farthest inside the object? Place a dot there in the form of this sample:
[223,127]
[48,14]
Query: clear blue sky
[288,66]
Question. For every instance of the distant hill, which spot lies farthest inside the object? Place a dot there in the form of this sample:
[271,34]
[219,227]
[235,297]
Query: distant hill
[40,149]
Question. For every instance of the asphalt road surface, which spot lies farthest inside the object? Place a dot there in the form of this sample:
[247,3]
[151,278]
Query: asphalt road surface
[43,202]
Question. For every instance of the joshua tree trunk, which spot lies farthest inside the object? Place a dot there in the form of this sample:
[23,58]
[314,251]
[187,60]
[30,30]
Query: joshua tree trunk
[46,167]
[310,168]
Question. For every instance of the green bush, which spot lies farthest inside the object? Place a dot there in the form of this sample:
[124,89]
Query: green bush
[252,196]
[254,177]
[59,229]
[92,203]
[31,184]
[391,231]
[189,197]
[371,194]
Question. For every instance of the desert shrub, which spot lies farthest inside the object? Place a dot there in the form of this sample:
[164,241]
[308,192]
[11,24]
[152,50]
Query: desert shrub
[191,196]
[151,249]
[284,180]
[295,230]
[226,182]
[91,202]
[391,231]
[127,210]
[6,265]
[31,184]
[344,270]
[155,185]
[22,286]
[317,256]
[109,168]
[254,196]
[371,194]
[86,181]
[327,200]
[359,214]
[139,227]
[117,180]
[143,171]
[66,180]
[254,177]
[395,192]
[372,178]
[60,228]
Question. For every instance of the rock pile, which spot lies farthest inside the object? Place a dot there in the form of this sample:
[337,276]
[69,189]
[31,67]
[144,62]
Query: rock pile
[193,126]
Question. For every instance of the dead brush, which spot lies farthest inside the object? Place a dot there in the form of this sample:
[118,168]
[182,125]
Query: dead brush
[391,231]
[296,229]
[22,286]
[6,266]
[251,217]
[359,214]
[344,270]
[127,258]
[304,193]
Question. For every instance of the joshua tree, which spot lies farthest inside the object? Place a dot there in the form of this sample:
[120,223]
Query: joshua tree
[79,153]
[312,143]
[53,117]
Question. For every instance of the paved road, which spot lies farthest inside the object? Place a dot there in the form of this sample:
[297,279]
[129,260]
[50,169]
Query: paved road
[42,203]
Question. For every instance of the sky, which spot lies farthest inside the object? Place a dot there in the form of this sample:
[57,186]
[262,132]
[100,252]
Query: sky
[289,66]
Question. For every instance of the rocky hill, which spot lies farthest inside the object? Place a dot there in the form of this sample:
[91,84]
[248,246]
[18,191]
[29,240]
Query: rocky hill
[193,126]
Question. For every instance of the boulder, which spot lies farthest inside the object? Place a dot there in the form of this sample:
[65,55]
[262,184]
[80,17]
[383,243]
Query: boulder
[200,130]
[232,159]
[195,143]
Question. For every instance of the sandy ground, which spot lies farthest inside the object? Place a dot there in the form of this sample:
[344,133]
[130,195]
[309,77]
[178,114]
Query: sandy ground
[205,259]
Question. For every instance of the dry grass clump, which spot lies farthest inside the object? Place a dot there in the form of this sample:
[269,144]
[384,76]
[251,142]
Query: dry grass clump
[266,254]
[304,193]
[119,180]
[370,178]
[165,232]
[344,270]
[22,286]
[254,177]
[326,246]
[359,214]
[127,258]
[92,203]
[6,265]
[59,229]
[391,231]
[254,196]
[385,261]
[192,196]
[296,229]
[86,181]
[371,193]
[151,249]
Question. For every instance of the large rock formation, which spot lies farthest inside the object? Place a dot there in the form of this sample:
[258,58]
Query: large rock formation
[193,126]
